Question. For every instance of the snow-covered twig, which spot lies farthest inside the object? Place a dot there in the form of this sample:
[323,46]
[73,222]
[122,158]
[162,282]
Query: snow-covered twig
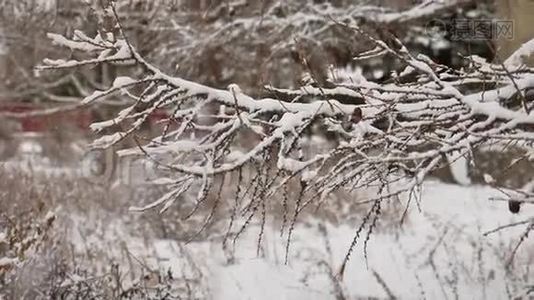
[384,134]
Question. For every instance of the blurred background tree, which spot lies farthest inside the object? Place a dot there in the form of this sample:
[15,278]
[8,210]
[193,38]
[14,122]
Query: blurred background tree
[216,42]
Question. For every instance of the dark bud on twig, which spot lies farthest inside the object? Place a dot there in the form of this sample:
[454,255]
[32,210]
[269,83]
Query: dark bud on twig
[356,116]
[514,206]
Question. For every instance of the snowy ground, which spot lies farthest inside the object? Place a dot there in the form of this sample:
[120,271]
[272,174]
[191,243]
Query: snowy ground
[439,253]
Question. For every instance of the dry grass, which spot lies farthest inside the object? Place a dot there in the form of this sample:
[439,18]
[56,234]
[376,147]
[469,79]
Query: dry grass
[41,217]
[49,227]
[59,233]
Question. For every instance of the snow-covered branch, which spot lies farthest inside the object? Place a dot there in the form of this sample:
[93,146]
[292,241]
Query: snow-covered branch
[391,135]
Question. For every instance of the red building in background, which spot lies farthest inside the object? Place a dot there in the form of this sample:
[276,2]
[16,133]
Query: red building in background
[80,118]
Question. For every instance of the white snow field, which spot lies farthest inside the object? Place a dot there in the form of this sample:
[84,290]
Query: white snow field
[440,252]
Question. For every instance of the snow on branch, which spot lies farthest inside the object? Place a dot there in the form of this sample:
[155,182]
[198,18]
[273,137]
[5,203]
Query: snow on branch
[423,10]
[392,134]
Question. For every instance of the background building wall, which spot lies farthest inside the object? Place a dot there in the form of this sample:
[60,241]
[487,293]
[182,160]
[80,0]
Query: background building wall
[522,14]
